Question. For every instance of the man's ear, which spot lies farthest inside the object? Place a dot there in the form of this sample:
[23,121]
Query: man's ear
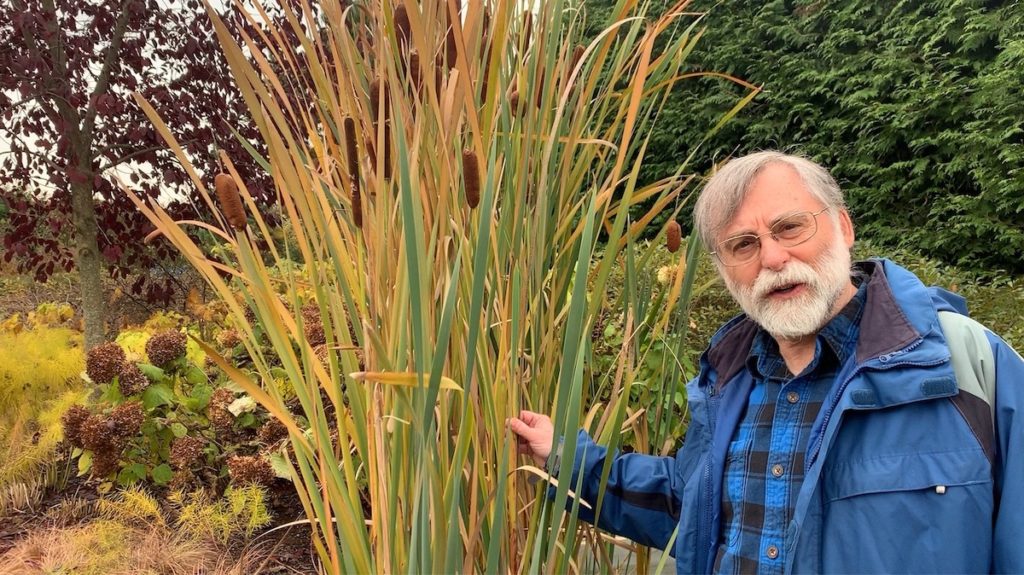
[846,227]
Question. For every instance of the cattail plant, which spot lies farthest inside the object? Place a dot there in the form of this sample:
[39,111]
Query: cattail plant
[352,156]
[471,176]
[673,236]
[230,201]
[440,322]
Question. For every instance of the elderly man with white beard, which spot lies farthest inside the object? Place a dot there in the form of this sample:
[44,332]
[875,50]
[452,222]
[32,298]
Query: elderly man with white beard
[830,429]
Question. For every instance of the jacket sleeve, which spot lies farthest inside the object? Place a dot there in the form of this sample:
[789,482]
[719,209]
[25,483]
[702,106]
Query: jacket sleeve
[1007,547]
[641,498]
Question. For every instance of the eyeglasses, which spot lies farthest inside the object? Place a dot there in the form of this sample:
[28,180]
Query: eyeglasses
[790,231]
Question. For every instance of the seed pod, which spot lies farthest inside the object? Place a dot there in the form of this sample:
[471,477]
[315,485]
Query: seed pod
[371,152]
[353,171]
[538,97]
[471,174]
[402,26]
[577,54]
[415,77]
[451,49]
[513,102]
[377,90]
[673,236]
[230,201]
[527,27]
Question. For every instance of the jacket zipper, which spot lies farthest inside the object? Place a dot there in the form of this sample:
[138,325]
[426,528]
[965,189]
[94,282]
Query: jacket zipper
[704,538]
[885,358]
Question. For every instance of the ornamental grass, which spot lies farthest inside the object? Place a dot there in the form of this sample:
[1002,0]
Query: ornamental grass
[459,317]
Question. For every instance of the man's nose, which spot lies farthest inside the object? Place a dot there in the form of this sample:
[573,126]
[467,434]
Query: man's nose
[773,255]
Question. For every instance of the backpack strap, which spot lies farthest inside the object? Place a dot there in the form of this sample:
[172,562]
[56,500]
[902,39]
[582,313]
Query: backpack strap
[974,367]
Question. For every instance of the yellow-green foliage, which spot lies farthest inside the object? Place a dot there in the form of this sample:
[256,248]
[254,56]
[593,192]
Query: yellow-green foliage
[35,366]
[109,547]
[133,505]
[28,443]
[241,511]
[133,340]
[50,314]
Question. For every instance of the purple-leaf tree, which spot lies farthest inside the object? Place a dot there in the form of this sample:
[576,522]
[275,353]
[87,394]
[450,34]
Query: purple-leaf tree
[71,136]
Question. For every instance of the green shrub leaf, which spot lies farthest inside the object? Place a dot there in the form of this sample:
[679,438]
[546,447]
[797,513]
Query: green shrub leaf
[157,395]
[162,474]
[154,373]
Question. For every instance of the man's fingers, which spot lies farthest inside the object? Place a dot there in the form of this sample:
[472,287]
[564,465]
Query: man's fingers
[519,427]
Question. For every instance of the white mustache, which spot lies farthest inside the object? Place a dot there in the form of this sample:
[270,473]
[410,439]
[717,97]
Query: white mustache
[794,273]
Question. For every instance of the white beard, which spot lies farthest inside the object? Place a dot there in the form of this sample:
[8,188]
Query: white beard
[825,279]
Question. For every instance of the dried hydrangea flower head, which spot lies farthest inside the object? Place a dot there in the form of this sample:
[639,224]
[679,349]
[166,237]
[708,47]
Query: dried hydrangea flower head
[104,362]
[131,380]
[165,347]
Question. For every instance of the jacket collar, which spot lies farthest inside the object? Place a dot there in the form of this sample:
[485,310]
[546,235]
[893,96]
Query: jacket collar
[886,326]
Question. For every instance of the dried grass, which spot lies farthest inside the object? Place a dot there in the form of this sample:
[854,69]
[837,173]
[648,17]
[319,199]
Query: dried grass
[111,548]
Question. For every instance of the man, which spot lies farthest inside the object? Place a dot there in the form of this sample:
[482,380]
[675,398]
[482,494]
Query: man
[828,431]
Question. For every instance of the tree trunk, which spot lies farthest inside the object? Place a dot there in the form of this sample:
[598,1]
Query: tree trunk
[87,259]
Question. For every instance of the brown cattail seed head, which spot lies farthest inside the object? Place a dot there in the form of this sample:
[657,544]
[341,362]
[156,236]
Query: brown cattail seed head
[72,421]
[451,49]
[577,54]
[186,451]
[380,97]
[127,419]
[131,380]
[245,469]
[471,174]
[387,155]
[513,102]
[415,72]
[313,325]
[673,236]
[165,347]
[538,97]
[527,27]
[353,171]
[104,362]
[402,26]
[230,201]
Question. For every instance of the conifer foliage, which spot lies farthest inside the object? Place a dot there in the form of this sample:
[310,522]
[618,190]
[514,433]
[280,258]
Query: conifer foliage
[915,105]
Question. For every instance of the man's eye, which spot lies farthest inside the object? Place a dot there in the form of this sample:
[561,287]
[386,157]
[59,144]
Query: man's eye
[788,228]
[740,245]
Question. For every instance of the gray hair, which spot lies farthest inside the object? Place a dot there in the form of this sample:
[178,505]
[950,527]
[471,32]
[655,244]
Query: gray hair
[725,191]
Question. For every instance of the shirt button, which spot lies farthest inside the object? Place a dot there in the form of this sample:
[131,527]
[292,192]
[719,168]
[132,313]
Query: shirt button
[772,552]
[778,470]
[792,397]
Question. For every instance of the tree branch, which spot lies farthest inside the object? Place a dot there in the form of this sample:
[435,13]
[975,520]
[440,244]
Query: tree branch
[128,157]
[109,61]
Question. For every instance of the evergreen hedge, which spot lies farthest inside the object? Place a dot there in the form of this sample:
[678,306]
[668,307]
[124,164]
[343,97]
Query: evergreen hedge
[916,107]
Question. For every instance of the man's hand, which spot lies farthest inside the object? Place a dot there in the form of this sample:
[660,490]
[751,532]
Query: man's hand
[536,434]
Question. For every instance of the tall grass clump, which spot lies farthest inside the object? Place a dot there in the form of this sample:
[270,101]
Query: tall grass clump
[448,172]
[39,381]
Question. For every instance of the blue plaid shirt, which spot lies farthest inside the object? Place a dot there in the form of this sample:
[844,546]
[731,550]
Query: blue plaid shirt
[765,464]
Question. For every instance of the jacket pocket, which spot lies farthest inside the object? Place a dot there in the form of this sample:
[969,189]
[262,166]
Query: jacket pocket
[910,472]
[913,513]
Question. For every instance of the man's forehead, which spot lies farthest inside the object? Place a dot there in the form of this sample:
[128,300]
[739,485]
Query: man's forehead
[767,207]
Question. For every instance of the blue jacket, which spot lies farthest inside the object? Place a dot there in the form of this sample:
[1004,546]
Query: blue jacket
[904,473]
